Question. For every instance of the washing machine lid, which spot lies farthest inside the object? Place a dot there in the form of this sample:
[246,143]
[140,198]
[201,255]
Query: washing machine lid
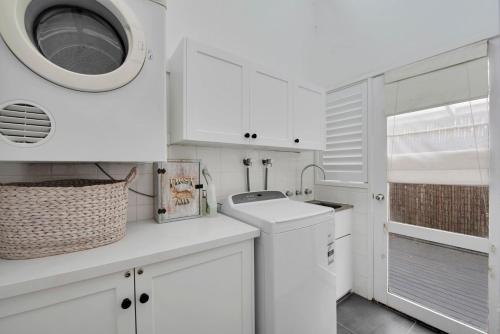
[274,212]
[92,45]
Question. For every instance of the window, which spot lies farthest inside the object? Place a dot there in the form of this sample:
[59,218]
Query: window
[344,159]
[438,162]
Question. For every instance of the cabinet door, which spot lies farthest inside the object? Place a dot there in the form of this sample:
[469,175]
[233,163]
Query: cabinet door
[91,306]
[343,265]
[217,96]
[209,292]
[270,108]
[309,118]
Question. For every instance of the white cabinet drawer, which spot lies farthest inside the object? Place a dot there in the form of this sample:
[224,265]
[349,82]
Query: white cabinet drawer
[343,223]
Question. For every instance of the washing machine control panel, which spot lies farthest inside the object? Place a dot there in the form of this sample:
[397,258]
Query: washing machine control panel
[257,196]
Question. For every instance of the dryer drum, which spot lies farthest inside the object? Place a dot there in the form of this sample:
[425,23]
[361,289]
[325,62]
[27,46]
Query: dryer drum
[91,45]
[78,40]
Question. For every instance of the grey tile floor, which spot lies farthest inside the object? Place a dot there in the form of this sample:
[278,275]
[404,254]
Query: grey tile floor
[356,315]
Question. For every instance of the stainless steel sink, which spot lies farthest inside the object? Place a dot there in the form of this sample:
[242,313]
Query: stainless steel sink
[335,206]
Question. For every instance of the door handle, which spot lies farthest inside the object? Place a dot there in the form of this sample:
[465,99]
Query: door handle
[379,197]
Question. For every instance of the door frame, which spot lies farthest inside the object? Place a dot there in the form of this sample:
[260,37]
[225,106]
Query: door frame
[494,196]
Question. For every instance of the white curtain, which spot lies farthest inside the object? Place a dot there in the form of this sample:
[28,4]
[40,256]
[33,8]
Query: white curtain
[443,145]
[438,119]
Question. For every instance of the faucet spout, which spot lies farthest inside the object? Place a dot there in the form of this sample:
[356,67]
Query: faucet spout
[302,176]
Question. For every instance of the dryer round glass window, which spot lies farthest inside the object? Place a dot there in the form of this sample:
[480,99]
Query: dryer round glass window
[91,45]
[79,40]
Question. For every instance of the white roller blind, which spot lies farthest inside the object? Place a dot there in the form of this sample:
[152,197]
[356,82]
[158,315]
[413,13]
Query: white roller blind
[456,76]
[442,145]
[438,119]
[345,156]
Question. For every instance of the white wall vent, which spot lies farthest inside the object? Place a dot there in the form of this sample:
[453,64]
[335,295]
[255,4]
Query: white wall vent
[24,124]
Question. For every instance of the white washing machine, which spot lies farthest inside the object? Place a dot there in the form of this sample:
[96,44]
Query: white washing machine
[82,80]
[295,286]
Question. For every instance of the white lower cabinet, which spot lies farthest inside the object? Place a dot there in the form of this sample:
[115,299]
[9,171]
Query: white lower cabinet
[207,292]
[210,293]
[343,258]
[102,305]
[343,263]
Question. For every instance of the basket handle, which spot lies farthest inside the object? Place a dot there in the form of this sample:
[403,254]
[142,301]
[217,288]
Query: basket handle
[130,177]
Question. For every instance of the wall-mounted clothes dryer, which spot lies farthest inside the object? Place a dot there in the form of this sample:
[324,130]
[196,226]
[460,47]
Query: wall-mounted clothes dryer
[83,80]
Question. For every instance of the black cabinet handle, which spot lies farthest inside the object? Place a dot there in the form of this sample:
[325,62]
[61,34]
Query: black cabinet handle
[144,298]
[297,140]
[247,135]
[254,136]
[126,303]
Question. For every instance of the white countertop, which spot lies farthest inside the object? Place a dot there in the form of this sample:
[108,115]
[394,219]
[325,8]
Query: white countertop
[146,242]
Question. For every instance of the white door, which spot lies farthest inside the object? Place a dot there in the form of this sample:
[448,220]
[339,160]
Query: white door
[270,105]
[217,96]
[308,119]
[103,305]
[209,292]
[432,274]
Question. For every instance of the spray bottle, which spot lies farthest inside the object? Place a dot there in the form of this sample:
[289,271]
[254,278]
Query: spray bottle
[211,196]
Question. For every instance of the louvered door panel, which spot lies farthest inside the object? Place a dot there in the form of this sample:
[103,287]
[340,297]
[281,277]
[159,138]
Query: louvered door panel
[345,156]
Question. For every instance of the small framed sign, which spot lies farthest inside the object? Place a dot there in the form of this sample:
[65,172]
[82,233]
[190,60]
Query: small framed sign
[178,190]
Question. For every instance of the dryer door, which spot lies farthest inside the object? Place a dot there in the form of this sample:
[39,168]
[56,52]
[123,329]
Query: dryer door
[93,45]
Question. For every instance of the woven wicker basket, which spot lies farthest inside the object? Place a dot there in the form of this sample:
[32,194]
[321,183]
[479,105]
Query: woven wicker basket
[56,217]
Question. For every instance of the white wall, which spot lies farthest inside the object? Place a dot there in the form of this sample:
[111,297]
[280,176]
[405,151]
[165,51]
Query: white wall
[356,38]
[275,33]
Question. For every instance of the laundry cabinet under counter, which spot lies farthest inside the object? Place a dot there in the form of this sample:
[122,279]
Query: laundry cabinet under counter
[220,98]
[184,277]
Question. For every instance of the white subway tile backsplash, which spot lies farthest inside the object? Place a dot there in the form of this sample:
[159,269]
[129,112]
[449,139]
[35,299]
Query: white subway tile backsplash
[131,212]
[145,185]
[145,168]
[145,212]
[66,169]
[181,152]
[360,245]
[225,165]
[33,172]
[361,287]
[210,157]
[232,159]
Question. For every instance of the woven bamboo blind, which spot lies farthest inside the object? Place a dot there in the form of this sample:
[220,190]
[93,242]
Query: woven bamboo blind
[453,208]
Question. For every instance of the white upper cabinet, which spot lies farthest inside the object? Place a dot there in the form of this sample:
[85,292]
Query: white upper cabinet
[217,97]
[309,117]
[270,108]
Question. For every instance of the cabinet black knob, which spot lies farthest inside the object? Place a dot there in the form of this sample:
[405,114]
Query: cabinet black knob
[144,298]
[296,140]
[126,303]
[254,136]
[247,135]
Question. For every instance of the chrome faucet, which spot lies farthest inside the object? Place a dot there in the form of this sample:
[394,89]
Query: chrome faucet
[308,191]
